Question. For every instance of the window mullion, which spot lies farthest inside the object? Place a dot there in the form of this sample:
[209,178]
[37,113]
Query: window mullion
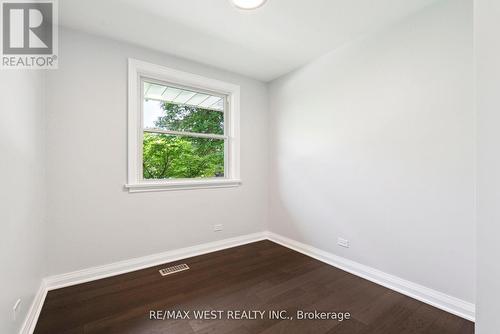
[187,134]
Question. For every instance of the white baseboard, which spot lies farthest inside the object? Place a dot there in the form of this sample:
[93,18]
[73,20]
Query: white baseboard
[435,298]
[34,311]
[122,267]
[429,296]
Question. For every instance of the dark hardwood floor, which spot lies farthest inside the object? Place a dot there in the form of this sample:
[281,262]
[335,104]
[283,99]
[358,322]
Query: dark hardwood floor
[259,276]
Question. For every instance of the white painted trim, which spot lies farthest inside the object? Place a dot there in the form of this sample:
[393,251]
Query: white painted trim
[187,134]
[185,184]
[34,311]
[122,267]
[424,294]
[139,69]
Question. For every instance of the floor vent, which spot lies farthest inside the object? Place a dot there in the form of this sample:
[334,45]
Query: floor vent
[173,269]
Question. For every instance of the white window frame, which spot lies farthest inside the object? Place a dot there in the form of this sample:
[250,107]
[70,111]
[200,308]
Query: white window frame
[139,71]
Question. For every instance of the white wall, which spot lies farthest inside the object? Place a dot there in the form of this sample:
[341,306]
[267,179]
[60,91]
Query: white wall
[374,143]
[93,220]
[22,199]
[487,59]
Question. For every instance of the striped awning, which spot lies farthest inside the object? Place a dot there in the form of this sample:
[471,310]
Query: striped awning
[158,92]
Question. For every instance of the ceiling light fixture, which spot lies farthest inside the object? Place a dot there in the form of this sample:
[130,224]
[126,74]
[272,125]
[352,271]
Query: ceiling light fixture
[248,4]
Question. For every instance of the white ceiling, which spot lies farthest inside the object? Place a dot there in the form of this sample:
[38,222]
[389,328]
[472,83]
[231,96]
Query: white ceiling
[264,44]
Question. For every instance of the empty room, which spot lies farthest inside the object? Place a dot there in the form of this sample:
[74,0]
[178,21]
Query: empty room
[250,166]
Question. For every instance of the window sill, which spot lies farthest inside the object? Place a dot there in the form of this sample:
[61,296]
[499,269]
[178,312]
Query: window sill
[182,185]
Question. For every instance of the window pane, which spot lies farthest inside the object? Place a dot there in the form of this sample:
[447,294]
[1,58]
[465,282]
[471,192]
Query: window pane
[153,90]
[175,95]
[179,157]
[213,102]
[178,117]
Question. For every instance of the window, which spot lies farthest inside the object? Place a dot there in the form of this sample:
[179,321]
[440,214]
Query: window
[183,130]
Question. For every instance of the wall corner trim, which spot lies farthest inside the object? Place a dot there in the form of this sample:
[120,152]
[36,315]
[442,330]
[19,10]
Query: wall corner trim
[424,294]
[29,324]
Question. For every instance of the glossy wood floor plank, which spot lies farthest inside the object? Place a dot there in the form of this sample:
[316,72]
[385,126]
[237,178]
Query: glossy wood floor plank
[258,276]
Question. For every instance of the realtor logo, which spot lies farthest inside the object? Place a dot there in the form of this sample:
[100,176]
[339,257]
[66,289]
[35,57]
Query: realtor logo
[29,34]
